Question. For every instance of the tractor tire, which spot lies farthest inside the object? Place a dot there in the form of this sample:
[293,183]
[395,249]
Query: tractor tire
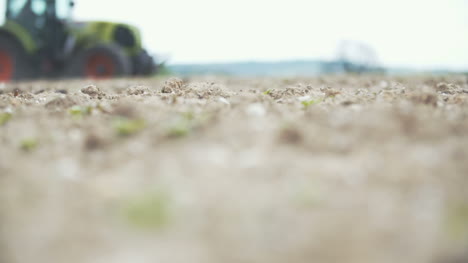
[143,64]
[99,62]
[14,62]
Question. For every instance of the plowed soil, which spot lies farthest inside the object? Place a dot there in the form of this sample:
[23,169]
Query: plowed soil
[219,169]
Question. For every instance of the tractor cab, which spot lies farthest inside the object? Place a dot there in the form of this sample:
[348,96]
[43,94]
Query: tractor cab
[36,14]
[38,39]
[44,21]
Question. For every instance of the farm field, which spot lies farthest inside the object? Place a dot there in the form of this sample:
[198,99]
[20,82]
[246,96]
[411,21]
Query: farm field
[218,169]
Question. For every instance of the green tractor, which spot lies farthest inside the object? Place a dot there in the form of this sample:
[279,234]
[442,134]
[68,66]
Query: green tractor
[39,40]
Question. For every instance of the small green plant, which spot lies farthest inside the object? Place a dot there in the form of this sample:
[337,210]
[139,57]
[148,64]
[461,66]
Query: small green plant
[308,196]
[127,127]
[457,221]
[29,144]
[147,211]
[268,91]
[179,129]
[5,117]
[182,125]
[79,111]
[189,115]
[308,103]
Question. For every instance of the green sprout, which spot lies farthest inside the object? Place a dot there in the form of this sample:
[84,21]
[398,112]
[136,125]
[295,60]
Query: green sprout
[457,221]
[148,210]
[268,91]
[308,198]
[188,115]
[184,124]
[127,127]
[179,129]
[308,103]
[79,111]
[29,144]
[5,117]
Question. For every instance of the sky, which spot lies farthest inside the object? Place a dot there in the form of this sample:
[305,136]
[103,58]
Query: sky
[416,33]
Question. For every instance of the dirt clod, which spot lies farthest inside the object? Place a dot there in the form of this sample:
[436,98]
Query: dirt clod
[290,135]
[93,142]
[93,91]
[61,91]
[137,90]
[172,85]
[124,110]
[330,92]
[425,98]
[61,103]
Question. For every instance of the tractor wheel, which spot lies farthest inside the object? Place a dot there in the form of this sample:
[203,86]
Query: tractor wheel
[13,61]
[143,64]
[100,62]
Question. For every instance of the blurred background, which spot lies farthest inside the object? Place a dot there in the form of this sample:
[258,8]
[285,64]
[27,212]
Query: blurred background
[295,37]
[400,35]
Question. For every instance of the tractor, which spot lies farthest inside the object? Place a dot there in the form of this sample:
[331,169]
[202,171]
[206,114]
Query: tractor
[39,40]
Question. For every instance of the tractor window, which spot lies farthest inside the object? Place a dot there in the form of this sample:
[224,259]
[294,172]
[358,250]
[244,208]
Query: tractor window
[15,7]
[2,12]
[63,9]
[39,7]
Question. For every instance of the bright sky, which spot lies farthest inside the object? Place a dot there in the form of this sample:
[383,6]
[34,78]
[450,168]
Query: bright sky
[418,33]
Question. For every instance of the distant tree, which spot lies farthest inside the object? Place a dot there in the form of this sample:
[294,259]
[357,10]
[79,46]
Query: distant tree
[356,57]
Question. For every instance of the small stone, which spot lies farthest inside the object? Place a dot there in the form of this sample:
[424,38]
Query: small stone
[17,92]
[61,91]
[347,103]
[383,84]
[9,110]
[256,110]
[223,100]
[330,92]
[93,142]
[304,98]
[290,135]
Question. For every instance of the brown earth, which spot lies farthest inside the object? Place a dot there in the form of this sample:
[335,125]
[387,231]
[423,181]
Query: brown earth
[218,169]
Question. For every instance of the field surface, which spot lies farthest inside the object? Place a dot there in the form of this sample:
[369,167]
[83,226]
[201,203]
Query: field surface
[216,169]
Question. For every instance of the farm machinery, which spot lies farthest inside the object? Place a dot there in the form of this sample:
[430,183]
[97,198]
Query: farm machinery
[39,40]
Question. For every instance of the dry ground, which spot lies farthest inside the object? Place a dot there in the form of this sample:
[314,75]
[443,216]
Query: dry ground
[327,169]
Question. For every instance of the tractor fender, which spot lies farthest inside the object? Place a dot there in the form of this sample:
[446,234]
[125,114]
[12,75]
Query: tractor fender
[17,33]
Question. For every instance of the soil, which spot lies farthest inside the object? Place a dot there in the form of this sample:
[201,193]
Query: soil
[220,169]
